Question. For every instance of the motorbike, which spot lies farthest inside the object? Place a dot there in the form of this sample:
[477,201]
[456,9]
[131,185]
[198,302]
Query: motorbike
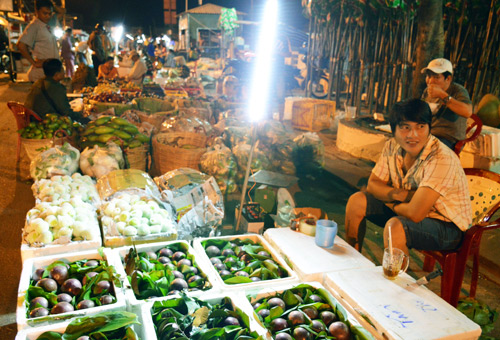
[7,64]
[318,82]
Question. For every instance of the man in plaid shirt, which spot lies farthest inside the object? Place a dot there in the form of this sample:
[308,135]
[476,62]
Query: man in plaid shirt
[418,188]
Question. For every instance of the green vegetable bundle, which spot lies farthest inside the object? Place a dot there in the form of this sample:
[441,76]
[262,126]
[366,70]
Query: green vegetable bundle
[104,326]
[306,312]
[48,126]
[242,261]
[190,318]
[107,128]
[64,287]
[169,270]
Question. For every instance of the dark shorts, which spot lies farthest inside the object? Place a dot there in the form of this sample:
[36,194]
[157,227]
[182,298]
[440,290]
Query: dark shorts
[428,234]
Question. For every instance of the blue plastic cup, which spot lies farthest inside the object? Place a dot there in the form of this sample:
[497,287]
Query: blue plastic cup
[326,231]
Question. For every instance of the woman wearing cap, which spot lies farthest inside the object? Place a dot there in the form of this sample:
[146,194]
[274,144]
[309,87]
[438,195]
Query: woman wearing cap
[450,102]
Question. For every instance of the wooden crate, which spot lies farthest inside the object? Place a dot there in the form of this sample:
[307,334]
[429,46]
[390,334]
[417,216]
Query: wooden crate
[312,114]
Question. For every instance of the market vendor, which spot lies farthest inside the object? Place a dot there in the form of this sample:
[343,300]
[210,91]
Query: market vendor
[418,188]
[138,70]
[449,102]
[48,95]
[108,71]
[38,43]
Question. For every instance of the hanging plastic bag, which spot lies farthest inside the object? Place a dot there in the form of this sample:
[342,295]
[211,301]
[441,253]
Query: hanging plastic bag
[59,160]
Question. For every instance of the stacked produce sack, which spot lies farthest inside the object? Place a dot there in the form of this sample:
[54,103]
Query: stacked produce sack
[219,162]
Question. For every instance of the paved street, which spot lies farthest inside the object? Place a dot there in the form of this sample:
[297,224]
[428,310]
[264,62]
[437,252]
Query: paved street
[321,190]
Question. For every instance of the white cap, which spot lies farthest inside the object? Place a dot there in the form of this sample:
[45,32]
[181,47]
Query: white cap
[439,65]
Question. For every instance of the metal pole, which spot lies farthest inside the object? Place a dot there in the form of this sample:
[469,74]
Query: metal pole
[247,174]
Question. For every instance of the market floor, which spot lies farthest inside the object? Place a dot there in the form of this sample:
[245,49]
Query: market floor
[321,189]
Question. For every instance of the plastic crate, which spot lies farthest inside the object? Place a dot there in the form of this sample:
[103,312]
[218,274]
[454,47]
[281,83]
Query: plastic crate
[29,267]
[312,114]
[292,278]
[398,309]
[132,300]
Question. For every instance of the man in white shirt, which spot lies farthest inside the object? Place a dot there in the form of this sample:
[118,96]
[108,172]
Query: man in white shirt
[138,70]
[37,43]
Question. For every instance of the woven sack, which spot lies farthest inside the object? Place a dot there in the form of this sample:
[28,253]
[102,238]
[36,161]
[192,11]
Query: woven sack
[167,157]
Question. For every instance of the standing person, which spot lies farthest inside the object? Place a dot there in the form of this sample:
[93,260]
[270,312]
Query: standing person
[138,70]
[418,188]
[450,102]
[96,44]
[37,42]
[67,52]
[48,95]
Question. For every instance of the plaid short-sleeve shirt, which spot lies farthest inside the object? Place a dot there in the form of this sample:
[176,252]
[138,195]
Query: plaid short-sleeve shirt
[437,167]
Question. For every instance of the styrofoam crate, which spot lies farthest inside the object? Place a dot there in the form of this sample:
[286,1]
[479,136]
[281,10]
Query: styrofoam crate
[253,295]
[34,333]
[311,262]
[132,300]
[28,252]
[292,278]
[398,309]
[238,300]
[120,241]
[29,267]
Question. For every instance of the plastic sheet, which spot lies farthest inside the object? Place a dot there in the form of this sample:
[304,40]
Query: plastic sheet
[187,124]
[196,198]
[59,160]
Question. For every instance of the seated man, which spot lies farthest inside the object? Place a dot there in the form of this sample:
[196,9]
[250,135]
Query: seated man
[417,188]
[138,70]
[450,103]
[48,95]
[107,70]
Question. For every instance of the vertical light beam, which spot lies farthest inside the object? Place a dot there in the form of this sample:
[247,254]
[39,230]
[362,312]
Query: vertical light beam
[261,77]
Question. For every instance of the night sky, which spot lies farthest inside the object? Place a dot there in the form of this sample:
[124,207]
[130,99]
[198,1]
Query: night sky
[148,14]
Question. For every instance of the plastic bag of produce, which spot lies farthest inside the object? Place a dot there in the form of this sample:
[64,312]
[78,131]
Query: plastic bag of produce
[136,213]
[59,160]
[126,179]
[282,157]
[272,132]
[197,199]
[220,163]
[99,161]
[59,222]
[234,135]
[187,124]
[309,149]
[66,188]
[259,159]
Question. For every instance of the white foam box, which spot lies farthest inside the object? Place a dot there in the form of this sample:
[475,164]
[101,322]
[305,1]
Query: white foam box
[398,309]
[34,333]
[311,262]
[237,300]
[120,241]
[28,252]
[132,300]
[292,278]
[254,295]
[31,265]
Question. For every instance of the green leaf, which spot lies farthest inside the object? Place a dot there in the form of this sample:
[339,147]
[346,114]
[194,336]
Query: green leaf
[49,336]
